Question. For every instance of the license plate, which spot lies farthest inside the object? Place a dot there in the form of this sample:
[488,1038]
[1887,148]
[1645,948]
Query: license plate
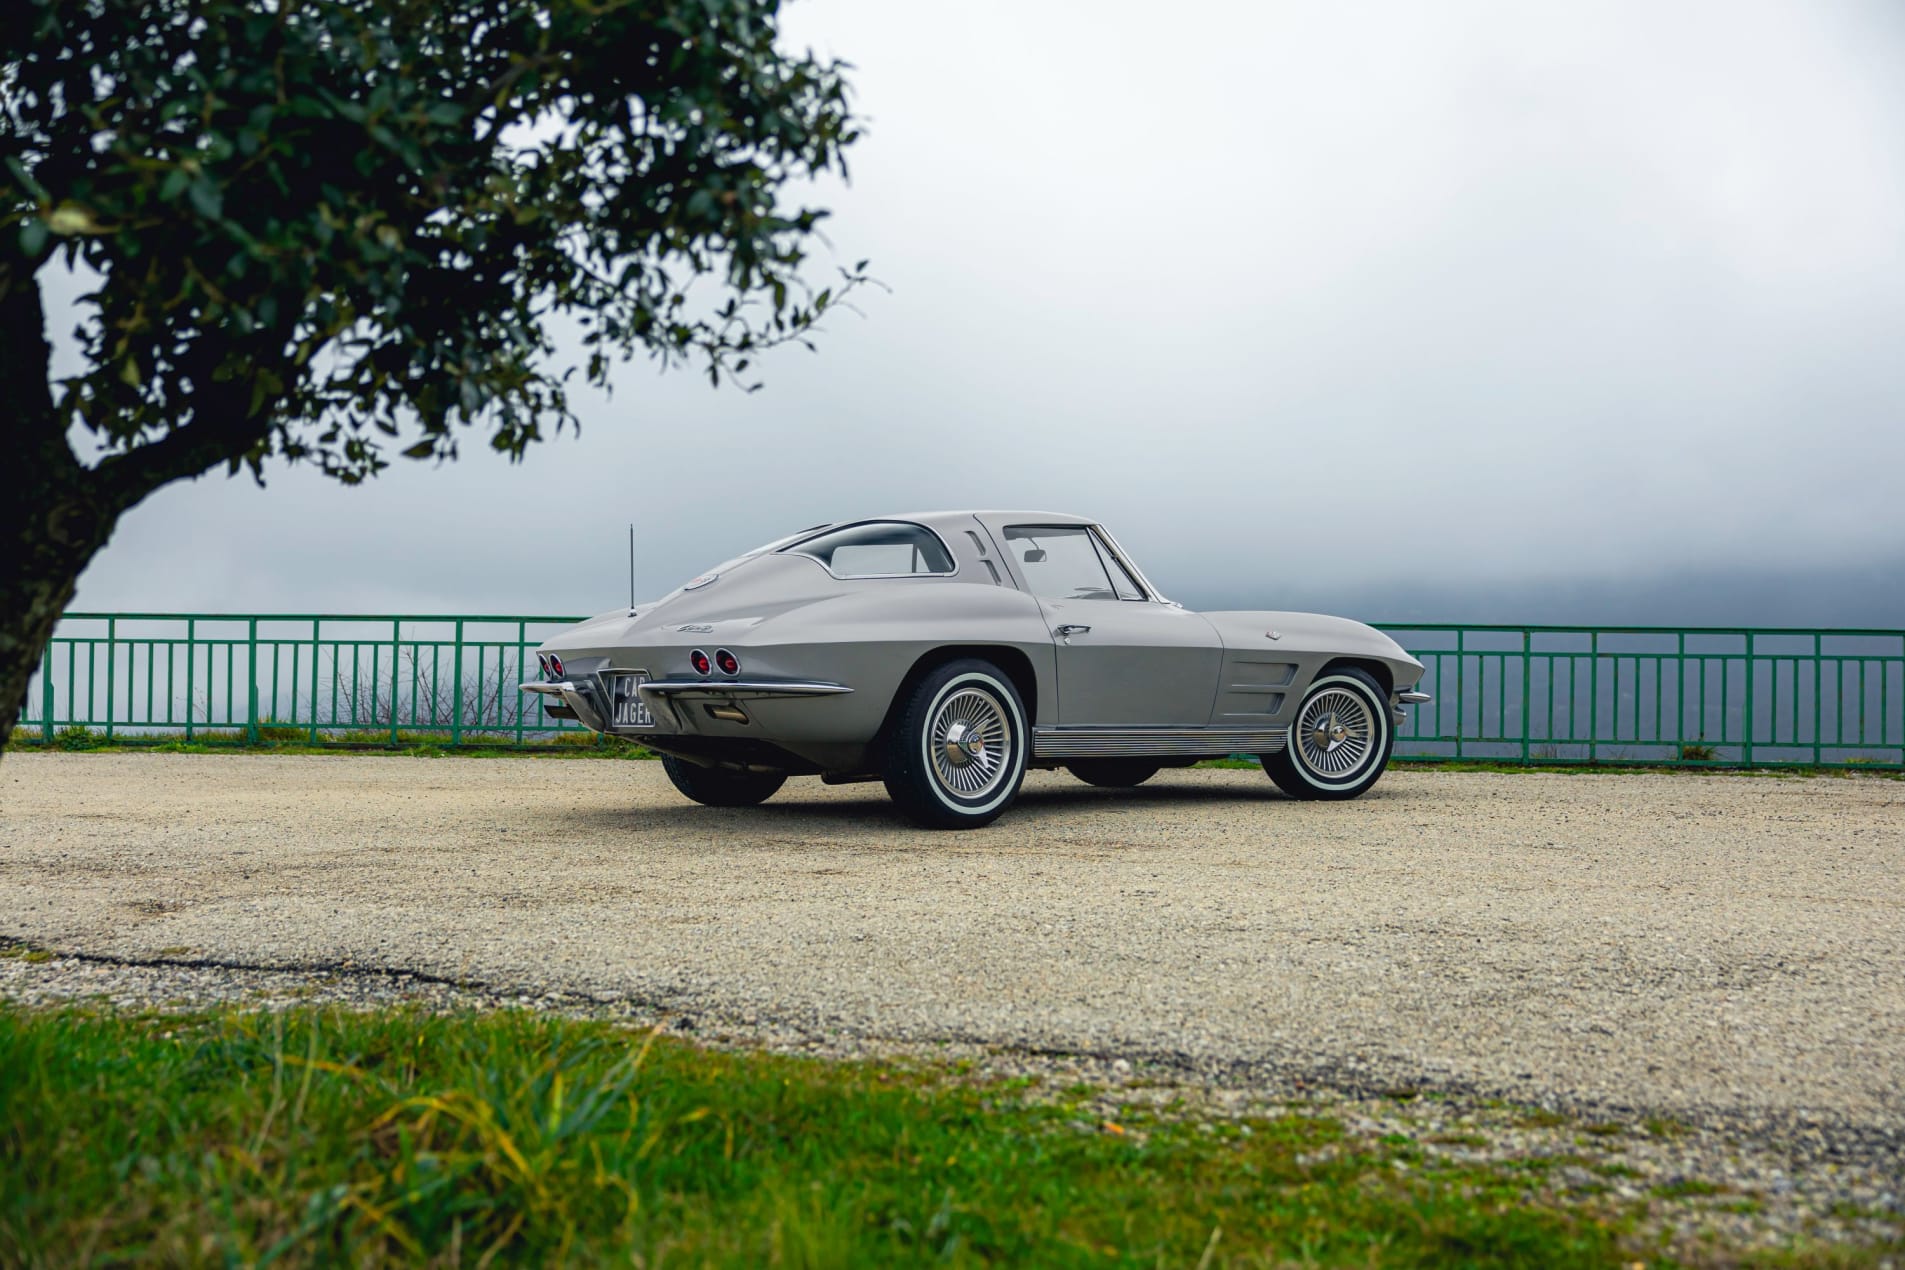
[625,703]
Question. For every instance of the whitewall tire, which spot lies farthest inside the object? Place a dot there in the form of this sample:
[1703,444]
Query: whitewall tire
[1340,739]
[956,756]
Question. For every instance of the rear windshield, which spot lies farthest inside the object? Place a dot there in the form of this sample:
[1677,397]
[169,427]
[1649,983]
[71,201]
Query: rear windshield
[878,549]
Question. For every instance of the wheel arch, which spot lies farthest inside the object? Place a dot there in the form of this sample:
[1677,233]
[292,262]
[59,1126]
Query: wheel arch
[1013,661]
[1381,672]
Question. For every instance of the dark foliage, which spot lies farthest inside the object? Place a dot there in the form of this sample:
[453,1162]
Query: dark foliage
[333,230]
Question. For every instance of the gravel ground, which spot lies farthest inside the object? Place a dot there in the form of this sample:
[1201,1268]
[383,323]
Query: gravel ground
[1722,954]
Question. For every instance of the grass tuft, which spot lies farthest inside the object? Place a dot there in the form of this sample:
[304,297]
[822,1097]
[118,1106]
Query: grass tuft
[325,1136]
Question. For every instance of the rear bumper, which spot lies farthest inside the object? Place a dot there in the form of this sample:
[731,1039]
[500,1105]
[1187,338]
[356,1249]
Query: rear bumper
[578,702]
[585,697]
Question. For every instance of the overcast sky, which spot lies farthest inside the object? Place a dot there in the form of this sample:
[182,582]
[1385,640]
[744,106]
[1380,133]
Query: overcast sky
[1306,301]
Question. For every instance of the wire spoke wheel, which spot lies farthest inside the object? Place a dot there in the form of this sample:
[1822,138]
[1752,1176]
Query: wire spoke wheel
[1336,733]
[969,741]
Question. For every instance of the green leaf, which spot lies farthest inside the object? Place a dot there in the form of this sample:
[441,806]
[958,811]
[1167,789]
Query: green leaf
[207,198]
[33,236]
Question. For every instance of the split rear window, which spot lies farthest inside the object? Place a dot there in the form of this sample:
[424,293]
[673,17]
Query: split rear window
[878,549]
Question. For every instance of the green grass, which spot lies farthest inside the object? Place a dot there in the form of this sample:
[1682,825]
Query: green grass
[322,1136]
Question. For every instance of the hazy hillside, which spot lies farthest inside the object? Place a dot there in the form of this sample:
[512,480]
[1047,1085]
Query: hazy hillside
[1867,596]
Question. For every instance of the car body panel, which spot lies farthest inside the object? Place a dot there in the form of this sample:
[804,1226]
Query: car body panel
[823,658]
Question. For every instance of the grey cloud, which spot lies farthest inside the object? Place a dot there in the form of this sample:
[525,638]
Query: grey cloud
[1304,300]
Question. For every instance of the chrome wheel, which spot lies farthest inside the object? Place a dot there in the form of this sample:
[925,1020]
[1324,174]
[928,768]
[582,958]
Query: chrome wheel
[969,741]
[1335,734]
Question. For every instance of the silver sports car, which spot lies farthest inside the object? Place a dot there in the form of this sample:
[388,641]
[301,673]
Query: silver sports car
[946,653]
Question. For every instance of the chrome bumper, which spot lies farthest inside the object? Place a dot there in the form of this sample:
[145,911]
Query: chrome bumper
[740,688]
[1410,698]
[660,695]
[663,696]
[578,699]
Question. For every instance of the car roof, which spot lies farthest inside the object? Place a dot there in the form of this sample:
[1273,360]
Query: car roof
[954,519]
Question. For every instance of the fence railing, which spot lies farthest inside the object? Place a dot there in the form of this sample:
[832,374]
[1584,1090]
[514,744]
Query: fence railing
[1757,698]
[292,676]
[1520,694]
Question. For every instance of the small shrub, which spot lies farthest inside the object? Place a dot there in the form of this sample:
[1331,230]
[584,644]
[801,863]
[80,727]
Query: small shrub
[78,738]
[273,732]
[1698,752]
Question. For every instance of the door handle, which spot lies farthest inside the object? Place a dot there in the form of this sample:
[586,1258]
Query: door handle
[1066,632]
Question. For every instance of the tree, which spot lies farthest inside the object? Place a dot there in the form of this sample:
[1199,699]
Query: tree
[325,231]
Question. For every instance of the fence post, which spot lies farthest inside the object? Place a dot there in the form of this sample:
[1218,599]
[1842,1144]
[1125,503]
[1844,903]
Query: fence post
[1818,691]
[317,624]
[1594,690]
[46,695]
[456,693]
[112,666]
[251,677]
[522,637]
[1527,673]
[1460,658]
[396,673]
[191,671]
[1746,734]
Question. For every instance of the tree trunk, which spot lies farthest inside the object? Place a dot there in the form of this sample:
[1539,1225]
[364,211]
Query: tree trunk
[51,531]
[55,514]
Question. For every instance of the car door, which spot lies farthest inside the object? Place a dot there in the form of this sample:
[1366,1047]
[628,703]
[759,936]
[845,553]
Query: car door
[1125,659]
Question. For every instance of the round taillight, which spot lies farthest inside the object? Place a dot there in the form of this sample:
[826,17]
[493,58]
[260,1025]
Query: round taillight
[727,661]
[555,666]
[699,660]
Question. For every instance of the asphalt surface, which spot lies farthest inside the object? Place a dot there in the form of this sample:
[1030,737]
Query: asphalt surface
[1692,945]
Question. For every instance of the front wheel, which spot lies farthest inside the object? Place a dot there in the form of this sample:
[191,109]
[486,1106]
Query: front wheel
[1340,741]
[721,786]
[957,753]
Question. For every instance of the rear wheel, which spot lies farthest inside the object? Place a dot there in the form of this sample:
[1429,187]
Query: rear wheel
[1114,773]
[957,754]
[721,786]
[1340,741]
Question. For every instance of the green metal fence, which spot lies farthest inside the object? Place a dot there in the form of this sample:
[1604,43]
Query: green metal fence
[1542,694]
[293,676]
[1758,698]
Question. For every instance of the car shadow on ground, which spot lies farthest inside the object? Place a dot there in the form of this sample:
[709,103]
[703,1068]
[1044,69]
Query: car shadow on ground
[864,809]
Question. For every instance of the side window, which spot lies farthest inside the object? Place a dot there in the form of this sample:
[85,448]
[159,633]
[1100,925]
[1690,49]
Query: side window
[881,549]
[1059,562]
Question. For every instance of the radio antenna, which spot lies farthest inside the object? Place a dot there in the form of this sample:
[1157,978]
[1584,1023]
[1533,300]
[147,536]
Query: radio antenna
[631,566]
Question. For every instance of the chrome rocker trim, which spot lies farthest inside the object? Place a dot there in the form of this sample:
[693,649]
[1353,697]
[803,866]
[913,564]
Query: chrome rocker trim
[1154,742]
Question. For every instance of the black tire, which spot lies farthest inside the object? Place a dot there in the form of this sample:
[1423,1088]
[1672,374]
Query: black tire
[958,792]
[1340,740]
[721,786]
[1114,773]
